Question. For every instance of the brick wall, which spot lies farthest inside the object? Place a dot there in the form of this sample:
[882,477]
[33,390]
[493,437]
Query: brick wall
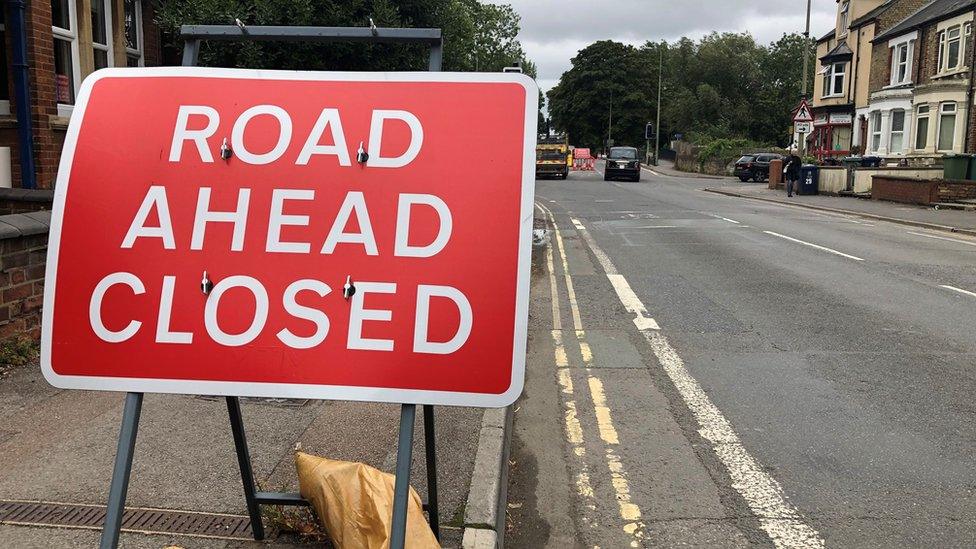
[905,189]
[880,53]
[953,191]
[23,255]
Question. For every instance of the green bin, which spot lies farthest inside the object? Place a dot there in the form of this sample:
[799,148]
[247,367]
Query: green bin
[957,166]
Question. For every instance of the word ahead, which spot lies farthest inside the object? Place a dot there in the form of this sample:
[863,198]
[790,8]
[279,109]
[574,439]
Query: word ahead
[302,235]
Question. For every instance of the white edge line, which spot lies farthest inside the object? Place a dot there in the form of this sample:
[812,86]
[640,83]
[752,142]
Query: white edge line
[960,290]
[817,246]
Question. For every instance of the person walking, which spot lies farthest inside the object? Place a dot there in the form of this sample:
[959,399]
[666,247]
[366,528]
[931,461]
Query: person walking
[792,168]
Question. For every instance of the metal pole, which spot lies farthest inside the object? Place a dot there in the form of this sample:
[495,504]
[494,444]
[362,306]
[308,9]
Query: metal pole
[431,454]
[610,123]
[120,475]
[244,463]
[436,54]
[191,52]
[657,128]
[802,145]
[21,81]
[401,490]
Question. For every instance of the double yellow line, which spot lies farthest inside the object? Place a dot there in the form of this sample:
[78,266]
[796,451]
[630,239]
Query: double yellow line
[629,511]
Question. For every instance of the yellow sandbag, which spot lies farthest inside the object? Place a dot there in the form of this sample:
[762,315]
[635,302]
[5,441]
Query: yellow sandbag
[355,503]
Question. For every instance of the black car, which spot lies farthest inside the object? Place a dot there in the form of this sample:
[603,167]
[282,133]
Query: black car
[622,162]
[754,166]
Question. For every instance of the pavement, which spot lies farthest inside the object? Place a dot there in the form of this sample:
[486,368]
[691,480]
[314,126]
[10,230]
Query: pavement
[59,446]
[711,371]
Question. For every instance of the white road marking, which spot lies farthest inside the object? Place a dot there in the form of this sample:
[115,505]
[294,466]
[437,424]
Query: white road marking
[781,521]
[817,246]
[966,242]
[960,290]
[729,220]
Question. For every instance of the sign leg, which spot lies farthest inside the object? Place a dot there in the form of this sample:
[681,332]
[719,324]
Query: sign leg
[120,475]
[401,490]
[431,452]
[244,462]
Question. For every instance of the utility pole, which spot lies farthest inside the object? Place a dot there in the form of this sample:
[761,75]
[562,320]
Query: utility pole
[657,128]
[610,123]
[802,145]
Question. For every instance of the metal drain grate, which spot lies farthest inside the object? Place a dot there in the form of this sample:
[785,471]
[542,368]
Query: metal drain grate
[150,521]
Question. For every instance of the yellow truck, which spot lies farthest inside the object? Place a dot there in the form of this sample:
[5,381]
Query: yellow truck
[552,156]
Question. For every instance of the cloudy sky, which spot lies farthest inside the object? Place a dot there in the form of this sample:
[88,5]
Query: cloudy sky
[554,30]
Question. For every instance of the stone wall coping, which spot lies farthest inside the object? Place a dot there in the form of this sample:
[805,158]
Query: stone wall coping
[27,195]
[24,224]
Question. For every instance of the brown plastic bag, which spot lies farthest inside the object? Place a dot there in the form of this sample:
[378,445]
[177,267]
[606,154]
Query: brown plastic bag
[355,503]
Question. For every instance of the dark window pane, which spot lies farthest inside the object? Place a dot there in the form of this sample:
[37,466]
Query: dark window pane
[132,60]
[63,72]
[131,31]
[98,21]
[101,59]
[4,94]
[60,16]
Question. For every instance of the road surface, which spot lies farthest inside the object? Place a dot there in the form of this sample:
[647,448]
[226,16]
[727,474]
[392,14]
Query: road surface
[712,371]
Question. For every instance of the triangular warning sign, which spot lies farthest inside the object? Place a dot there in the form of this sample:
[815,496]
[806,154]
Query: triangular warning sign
[802,113]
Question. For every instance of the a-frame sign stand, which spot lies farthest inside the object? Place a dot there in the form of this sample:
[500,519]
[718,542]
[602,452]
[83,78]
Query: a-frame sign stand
[193,36]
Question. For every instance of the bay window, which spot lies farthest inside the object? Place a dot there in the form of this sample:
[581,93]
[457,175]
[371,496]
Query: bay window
[101,21]
[896,137]
[64,26]
[875,131]
[922,127]
[833,82]
[947,126]
[132,32]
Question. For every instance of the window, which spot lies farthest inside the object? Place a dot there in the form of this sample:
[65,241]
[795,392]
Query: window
[901,63]
[951,47]
[845,10]
[896,137]
[840,139]
[132,32]
[922,128]
[833,83]
[66,65]
[947,126]
[101,25]
[875,131]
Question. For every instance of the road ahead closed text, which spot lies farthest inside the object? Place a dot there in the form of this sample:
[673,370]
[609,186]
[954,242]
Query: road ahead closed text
[332,236]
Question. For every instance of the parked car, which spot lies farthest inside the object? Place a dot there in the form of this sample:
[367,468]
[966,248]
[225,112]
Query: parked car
[754,166]
[623,162]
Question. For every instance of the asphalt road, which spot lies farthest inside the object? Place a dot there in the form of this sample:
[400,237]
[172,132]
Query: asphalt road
[719,372]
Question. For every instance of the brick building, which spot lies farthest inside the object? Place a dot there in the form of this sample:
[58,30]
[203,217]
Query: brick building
[65,40]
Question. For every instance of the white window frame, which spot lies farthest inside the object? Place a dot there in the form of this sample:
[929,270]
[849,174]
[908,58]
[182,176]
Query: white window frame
[892,133]
[845,11]
[70,36]
[919,116]
[875,131]
[107,48]
[965,30]
[955,126]
[140,51]
[830,79]
[908,46]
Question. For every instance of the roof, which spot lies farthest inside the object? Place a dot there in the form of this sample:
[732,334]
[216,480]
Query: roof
[827,36]
[840,51]
[871,15]
[936,10]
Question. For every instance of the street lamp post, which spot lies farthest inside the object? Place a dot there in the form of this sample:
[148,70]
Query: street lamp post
[802,145]
[610,123]
[657,126]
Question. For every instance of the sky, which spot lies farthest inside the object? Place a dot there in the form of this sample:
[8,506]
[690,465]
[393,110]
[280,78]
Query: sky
[554,30]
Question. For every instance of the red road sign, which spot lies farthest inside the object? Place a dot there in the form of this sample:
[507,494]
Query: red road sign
[802,112]
[434,236]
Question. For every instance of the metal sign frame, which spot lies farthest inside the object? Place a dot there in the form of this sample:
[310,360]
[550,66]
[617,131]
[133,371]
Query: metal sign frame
[194,35]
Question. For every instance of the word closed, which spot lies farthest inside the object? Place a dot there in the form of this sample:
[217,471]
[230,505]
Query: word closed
[282,234]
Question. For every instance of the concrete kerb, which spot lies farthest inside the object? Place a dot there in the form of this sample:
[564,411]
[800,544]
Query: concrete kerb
[485,511]
[865,215]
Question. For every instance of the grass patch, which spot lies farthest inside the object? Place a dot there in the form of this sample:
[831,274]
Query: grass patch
[17,352]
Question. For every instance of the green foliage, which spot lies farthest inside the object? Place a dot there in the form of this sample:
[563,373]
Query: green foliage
[477,36]
[725,149]
[723,86]
[17,352]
